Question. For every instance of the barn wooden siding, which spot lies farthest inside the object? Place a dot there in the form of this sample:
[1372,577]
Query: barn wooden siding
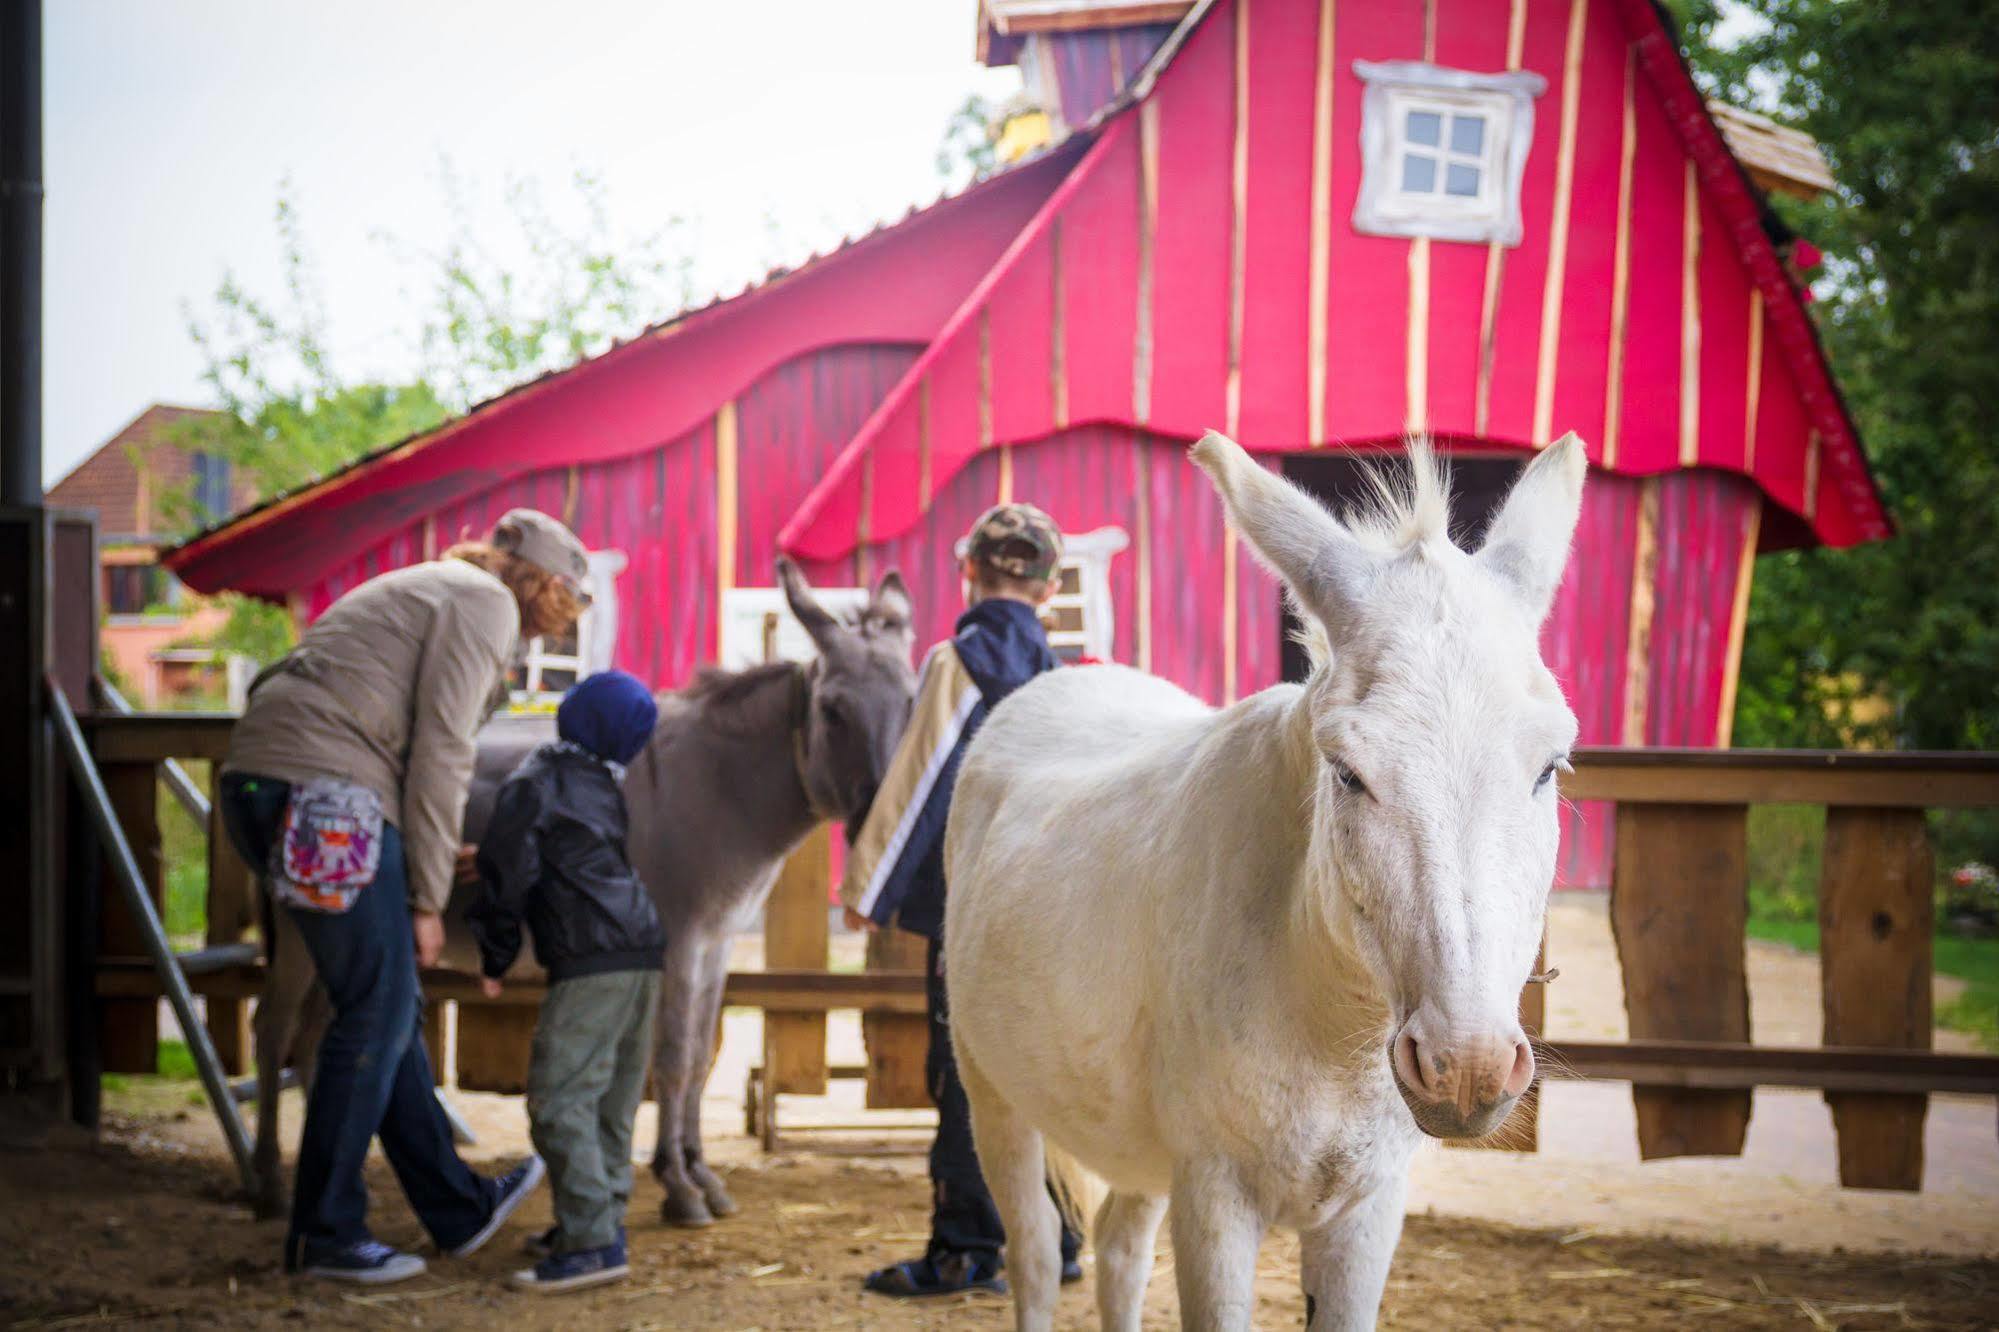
[659,507]
[1629,312]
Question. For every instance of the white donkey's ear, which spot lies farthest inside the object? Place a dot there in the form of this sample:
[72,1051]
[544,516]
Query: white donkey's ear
[1527,545]
[1327,570]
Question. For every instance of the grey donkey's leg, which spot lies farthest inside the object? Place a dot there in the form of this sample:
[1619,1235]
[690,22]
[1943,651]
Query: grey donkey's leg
[714,975]
[289,984]
[681,1002]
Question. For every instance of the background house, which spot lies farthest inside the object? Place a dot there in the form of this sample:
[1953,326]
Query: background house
[1317,227]
[138,483]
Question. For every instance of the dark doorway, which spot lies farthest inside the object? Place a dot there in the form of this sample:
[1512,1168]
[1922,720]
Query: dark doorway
[1339,481]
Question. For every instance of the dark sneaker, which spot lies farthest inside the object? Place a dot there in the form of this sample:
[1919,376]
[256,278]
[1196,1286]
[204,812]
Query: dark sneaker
[938,1274]
[511,1190]
[574,1271]
[1072,1271]
[365,1263]
[542,1245]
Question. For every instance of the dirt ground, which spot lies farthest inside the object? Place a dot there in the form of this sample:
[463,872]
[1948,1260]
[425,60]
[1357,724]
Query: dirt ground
[142,1227]
[140,1230]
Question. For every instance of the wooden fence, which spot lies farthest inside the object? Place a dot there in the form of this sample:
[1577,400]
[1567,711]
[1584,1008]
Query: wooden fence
[1678,911]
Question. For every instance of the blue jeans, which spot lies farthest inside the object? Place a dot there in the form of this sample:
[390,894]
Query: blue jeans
[374,1077]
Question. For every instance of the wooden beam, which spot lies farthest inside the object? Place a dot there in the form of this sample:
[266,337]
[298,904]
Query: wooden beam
[1148,232]
[1876,919]
[1906,780]
[898,1044]
[796,937]
[1416,336]
[1495,253]
[131,977]
[1690,322]
[1238,224]
[727,513]
[1558,234]
[1738,622]
[1087,17]
[1058,349]
[148,737]
[1318,280]
[1679,904]
[129,1029]
[1753,395]
[1638,641]
[1620,270]
[1715,1065]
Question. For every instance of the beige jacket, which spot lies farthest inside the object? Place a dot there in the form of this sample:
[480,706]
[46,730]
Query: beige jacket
[388,689]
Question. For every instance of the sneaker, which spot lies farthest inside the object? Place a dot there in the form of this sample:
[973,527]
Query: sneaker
[365,1263]
[1072,1271]
[542,1245]
[942,1273]
[512,1190]
[574,1271]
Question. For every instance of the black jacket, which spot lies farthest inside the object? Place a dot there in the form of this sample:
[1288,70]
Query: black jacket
[554,854]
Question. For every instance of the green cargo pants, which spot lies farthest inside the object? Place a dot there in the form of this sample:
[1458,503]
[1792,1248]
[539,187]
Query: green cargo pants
[591,1050]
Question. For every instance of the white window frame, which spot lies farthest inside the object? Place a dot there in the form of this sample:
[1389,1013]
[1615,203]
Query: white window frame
[1394,88]
[758,626]
[1090,555]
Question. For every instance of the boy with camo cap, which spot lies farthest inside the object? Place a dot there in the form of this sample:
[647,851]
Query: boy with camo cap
[895,871]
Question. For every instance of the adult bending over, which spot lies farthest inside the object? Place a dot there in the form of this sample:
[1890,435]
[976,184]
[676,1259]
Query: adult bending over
[345,786]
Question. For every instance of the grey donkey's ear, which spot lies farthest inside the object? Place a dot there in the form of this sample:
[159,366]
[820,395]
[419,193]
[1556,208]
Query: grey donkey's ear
[1527,546]
[891,600]
[1327,570]
[818,621]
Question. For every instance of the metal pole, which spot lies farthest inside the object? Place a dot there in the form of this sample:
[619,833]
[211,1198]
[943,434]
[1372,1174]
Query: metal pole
[21,252]
[125,869]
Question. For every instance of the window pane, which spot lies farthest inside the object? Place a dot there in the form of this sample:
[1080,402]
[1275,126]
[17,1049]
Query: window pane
[1419,174]
[1468,134]
[1426,128]
[1461,180]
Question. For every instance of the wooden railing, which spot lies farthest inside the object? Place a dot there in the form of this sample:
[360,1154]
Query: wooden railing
[1678,911]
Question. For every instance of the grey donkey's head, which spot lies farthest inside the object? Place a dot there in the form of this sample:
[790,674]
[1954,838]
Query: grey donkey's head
[861,692]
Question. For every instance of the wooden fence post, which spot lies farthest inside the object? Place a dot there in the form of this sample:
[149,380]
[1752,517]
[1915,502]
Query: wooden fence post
[129,1030]
[1876,917]
[1679,904]
[796,936]
[232,909]
[495,1042]
[897,1043]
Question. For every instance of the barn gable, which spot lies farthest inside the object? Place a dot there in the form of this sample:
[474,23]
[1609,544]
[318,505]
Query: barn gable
[1200,266]
[894,287]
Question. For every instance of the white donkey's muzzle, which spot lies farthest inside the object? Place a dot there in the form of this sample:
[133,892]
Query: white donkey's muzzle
[1459,1084]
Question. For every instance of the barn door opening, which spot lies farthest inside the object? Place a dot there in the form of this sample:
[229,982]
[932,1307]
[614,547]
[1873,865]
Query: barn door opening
[1339,480]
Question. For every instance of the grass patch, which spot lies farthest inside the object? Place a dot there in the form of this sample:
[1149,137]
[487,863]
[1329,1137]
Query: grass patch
[168,1092]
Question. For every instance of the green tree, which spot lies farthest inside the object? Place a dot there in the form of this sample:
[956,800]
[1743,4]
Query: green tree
[494,311]
[1904,101]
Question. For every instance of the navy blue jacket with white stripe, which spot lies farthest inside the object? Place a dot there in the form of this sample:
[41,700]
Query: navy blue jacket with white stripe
[895,869]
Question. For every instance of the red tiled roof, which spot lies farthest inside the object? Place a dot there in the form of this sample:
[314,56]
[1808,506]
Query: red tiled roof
[126,494]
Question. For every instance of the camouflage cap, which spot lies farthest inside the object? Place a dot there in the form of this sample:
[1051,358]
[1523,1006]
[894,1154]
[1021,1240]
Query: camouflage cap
[1017,540]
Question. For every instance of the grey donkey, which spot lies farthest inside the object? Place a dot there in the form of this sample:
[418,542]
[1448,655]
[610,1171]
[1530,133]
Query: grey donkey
[742,765]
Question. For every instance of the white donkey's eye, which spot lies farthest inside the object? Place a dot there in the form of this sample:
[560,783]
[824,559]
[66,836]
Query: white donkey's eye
[1349,781]
[1548,773]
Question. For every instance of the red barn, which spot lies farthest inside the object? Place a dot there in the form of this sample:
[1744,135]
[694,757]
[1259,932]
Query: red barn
[1318,226]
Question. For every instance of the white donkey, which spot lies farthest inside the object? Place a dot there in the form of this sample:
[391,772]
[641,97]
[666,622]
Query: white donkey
[1273,942]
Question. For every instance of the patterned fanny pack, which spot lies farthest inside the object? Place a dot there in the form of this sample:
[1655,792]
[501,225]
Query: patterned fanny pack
[329,848]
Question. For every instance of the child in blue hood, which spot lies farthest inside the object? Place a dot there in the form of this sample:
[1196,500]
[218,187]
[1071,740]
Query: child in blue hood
[554,858]
[895,872]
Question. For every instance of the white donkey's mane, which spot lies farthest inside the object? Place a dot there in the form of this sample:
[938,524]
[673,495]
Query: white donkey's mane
[1402,506]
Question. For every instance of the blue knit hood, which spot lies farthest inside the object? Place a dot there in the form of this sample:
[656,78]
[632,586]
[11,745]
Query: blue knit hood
[611,714]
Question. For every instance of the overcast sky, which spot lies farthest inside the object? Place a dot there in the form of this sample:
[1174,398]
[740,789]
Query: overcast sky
[171,126]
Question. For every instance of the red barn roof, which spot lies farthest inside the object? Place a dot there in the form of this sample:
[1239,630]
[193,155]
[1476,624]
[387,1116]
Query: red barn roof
[1184,260]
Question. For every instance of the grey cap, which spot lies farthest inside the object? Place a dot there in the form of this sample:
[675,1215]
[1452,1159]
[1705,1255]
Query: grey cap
[542,542]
